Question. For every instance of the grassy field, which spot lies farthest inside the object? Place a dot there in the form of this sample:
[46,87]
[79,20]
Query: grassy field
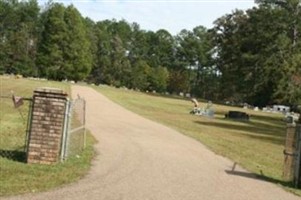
[257,145]
[17,177]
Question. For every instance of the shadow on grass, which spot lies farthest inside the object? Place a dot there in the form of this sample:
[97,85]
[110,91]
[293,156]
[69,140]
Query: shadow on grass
[274,120]
[256,130]
[260,177]
[19,156]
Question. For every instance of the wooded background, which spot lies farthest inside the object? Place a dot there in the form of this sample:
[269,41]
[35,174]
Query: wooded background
[251,56]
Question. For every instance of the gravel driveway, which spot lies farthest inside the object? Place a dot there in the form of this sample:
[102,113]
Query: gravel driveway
[142,160]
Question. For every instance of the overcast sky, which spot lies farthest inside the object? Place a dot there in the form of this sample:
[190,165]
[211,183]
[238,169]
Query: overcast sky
[172,15]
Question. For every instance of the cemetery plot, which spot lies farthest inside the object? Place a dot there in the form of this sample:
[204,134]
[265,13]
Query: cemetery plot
[237,115]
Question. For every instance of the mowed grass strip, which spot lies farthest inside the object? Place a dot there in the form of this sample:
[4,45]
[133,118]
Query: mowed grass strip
[17,177]
[257,145]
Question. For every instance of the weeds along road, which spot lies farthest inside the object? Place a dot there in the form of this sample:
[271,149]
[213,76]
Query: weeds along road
[142,160]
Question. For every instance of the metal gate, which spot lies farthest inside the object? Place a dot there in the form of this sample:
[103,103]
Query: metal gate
[74,134]
[14,127]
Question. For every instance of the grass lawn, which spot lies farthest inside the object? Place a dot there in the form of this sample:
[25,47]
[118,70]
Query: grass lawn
[17,177]
[257,145]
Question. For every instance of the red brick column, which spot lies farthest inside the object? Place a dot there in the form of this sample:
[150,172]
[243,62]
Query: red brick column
[47,121]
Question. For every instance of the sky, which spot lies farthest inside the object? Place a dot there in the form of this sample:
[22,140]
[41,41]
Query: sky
[172,15]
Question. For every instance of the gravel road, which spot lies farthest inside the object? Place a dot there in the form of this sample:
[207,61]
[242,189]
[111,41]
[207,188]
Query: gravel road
[142,160]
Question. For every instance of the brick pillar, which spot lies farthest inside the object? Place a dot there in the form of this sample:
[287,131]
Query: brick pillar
[47,121]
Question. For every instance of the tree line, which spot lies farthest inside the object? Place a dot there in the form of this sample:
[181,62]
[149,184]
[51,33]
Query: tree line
[251,56]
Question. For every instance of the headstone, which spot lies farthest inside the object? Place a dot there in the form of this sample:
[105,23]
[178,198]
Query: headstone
[237,115]
[289,119]
[281,108]
[209,112]
[245,106]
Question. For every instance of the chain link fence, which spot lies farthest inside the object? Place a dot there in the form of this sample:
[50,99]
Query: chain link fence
[74,137]
[14,128]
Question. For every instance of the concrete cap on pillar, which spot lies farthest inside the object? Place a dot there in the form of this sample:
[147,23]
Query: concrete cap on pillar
[50,90]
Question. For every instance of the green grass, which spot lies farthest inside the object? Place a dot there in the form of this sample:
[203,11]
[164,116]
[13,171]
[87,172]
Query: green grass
[14,121]
[17,177]
[257,145]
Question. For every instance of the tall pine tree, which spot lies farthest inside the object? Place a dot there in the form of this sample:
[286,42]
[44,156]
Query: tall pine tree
[77,55]
[53,42]
[64,51]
